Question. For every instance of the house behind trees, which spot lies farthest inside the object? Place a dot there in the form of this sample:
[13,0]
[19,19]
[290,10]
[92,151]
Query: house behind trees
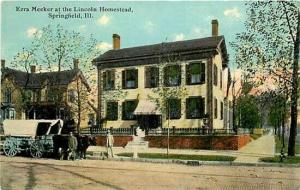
[42,95]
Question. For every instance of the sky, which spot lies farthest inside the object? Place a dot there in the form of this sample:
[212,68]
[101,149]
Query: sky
[148,23]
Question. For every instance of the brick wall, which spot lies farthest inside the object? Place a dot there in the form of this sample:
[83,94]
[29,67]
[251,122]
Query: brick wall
[233,142]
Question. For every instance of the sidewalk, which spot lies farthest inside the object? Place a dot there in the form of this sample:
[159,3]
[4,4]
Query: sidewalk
[262,147]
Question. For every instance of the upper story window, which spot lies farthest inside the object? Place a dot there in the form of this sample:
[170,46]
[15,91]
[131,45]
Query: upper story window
[195,107]
[130,79]
[174,108]
[112,111]
[128,108]
[8,95]
[28,95]
[195,73]
[172,75]
[215,108]
[109,80]
[71,95]
[151,77]
[215,75]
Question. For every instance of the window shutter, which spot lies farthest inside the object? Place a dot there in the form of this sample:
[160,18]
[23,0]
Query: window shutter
[202,107]
[188,74]
[187,108]
[179,72]
[104,79]
[156,74]
[123,110]
[113,78]
[202,73]
[123,79]
[147,76]
[166,76]
[136,75]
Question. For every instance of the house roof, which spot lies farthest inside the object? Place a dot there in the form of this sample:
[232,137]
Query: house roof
[38,80]
[187,49]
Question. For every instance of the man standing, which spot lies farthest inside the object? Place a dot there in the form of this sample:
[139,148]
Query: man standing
[109,144]
[72,141]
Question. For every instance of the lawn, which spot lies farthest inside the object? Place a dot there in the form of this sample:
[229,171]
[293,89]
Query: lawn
[181,156]
[279,145]
[288,160]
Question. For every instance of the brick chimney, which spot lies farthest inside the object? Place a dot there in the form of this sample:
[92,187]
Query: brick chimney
[214,28]
[2,63]
[116,41]
[32,68]
[75,63]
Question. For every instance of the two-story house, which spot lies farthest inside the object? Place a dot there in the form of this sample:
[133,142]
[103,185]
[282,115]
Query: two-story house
[43,95]
[129,78]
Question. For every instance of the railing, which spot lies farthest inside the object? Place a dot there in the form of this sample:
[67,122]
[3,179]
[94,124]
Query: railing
[103,131]
[164,131]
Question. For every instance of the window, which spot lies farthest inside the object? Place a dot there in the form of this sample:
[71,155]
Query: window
[7,95]
[172,75]
[221,111]
[28,95]
[195,73]
[52,95]
[221,79]
[130,79]
[195,107]
[109,80]
[151,77]
[71,95]
[128,108]
[215,75]
[174,109]
[216,108]
[112,111]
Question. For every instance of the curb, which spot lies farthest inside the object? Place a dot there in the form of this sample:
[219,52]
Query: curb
[194,162]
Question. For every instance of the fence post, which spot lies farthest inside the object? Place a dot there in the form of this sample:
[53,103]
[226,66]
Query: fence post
[173,127]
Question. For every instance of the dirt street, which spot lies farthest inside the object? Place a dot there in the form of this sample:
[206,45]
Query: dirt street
[47,174]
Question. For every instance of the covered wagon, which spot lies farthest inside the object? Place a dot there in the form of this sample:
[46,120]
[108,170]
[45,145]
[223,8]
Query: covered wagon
[34,136]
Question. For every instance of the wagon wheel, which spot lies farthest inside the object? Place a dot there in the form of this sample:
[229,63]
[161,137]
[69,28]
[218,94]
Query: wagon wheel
[10,147]
[36,150]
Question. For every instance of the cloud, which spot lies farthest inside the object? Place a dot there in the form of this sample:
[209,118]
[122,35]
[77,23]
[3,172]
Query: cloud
[149,26]
[103,20]
[199,32]
[103,46]
[234,12]
[82,28]
[33,31]
[179,37]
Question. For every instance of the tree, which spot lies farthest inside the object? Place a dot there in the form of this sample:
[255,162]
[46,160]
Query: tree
[270,44]
[53,48]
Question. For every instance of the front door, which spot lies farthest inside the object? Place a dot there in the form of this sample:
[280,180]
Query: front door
[147,122]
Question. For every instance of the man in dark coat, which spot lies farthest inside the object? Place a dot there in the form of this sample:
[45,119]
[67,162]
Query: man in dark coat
[72,142]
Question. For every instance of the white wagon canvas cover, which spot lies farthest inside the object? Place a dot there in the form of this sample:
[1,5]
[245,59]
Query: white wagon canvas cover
[25,128]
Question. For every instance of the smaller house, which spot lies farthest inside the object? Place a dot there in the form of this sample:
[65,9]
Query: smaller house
[45,95]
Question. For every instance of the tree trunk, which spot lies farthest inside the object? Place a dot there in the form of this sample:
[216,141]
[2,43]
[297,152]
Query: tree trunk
[294,95]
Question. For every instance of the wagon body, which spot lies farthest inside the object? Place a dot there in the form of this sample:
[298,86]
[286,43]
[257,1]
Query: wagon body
[34,136]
